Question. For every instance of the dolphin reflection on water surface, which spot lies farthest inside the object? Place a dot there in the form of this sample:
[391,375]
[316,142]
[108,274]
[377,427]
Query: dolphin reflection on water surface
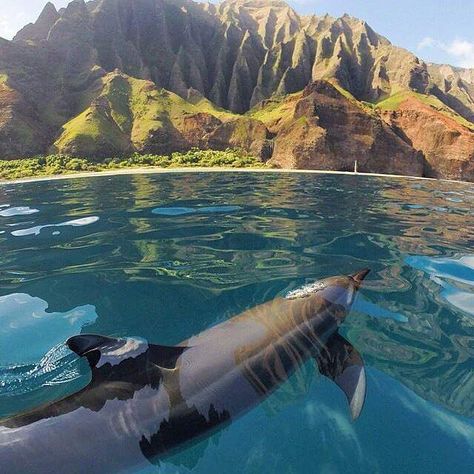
[145,401]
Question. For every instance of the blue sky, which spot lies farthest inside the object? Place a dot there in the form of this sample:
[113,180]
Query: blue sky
[435,30]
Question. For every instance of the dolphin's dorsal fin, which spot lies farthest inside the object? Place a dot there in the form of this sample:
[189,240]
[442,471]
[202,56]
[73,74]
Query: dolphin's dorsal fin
[108,351]
[85,343]
[342,363]
[101,350]
[92,346]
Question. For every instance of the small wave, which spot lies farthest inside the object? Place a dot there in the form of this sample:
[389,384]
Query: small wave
[74,223]
[454,275]
[58,366]
[459,269]
[182,211]
[18,211]
[363,305]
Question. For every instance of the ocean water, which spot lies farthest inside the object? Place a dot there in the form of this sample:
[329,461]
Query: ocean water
[166,256]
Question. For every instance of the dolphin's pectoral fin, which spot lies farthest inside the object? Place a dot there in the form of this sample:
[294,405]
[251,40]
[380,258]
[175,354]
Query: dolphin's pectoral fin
[342,363]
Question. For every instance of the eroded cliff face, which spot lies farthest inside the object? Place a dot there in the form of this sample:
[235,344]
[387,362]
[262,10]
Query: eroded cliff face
[236,54]
[116,76]
[26,114]
[448,146]
[316,129]
[20,131]
[455,87]
[329,131]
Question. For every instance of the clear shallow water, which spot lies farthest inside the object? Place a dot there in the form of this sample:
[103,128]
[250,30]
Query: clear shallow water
[166,256]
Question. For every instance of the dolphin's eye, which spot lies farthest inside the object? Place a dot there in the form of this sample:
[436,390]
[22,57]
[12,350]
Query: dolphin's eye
[306,290]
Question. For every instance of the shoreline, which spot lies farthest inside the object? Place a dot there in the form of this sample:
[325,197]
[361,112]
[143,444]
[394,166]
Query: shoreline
[157,170]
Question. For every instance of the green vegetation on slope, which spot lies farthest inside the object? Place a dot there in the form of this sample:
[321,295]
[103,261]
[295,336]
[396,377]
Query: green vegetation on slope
[275,109]
[118,93]
[62,164]
[280,108]
[104,127]
[396,100]
[154,109]
[92,131]
[367,107]
[206,106]
[127,111]
[127,116]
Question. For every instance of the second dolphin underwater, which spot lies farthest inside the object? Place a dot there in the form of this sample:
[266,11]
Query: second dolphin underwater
[145,401]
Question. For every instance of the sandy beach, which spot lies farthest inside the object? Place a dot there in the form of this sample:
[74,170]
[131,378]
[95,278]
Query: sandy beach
[156,170]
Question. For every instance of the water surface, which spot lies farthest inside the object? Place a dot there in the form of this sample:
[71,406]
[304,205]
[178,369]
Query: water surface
[166,256]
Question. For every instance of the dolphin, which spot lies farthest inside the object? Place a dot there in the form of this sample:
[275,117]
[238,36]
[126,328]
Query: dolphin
[146,401]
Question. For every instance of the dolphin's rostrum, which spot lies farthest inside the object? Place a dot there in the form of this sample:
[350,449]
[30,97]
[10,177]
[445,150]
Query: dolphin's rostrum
[145,401]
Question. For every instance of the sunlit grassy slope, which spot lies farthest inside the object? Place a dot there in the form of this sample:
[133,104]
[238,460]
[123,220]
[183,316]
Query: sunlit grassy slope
[395,101]
[126,114]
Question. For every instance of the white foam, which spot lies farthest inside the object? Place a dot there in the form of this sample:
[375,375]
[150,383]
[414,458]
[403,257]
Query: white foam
[18,211]
[306,290]
[73,223]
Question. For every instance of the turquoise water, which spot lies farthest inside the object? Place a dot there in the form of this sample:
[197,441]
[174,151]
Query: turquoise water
[164,257]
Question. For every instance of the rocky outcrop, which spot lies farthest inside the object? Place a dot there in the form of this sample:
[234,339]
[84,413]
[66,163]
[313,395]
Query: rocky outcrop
[447,145]
[329,131]
[243,132]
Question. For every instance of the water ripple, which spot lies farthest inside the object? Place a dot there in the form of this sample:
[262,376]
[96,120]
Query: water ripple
[18,211]
[182,211]
[58,366]
[176,253]
[73,223]
[454,275]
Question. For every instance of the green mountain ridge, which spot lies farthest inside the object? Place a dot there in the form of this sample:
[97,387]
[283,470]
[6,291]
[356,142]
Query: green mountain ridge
[111,77]
[132,115]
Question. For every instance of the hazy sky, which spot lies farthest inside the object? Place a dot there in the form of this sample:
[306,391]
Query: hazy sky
[436,30]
